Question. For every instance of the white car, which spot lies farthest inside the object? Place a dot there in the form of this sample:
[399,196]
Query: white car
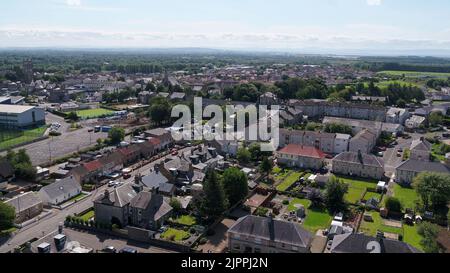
[111,183]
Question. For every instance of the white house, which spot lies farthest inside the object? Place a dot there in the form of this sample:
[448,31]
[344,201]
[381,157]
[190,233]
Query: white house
[60,191]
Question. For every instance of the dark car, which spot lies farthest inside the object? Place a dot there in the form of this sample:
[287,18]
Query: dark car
[128,250]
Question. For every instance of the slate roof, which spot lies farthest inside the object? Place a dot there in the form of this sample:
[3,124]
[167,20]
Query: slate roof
[119,197]
[423,166]
[153,205]
[273,230]
[63,186]
[154,180]
[357,243]
[364,159]
[24,201]
[421,145]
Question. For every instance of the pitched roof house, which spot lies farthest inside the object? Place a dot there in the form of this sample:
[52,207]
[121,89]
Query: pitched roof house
[408,170]
[358,164]
[304,157]
[60,191]
[360,243]
[253,234]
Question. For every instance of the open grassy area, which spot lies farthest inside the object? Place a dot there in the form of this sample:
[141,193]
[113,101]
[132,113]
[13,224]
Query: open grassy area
[407,196]
[409,233]
[370,195]
[316,218]
[289,181]
[413,74]
[94,113]
[186,220]
[10,138]
[384,84]
[175,235]
[356,188]
[88,215]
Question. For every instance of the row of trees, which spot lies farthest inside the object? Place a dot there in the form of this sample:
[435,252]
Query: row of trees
[21,163]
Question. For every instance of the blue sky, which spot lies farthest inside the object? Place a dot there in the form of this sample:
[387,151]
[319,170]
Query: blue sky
[260,24]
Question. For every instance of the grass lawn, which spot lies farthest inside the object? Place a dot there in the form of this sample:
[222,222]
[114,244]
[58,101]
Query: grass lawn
[178,235]
[409,233]
[356,188]
[94,113]
[407,196]
[384,84]
[88,215]
[289,181]
[76,198]
[315,218]
[186,220]
[413,74]
[14,137]
[370,195]
[435,152]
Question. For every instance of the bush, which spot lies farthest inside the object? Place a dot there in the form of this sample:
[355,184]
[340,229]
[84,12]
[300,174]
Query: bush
[393,204]
[286,202]
[192,231]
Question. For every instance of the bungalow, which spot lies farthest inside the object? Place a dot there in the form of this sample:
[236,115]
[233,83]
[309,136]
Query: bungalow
[27,206]
[304,157]
[408,170]
[253,234]
[60,191]
[358,164]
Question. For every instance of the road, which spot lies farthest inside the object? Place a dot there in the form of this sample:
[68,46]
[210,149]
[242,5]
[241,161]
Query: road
[50,224]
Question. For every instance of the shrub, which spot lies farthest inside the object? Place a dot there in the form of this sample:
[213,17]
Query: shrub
[286,202]
[203,241]
[393,204]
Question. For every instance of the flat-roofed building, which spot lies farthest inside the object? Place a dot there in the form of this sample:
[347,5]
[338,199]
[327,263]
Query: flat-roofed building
[20,116]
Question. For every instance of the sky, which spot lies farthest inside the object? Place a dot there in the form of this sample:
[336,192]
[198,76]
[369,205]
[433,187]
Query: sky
[316,25]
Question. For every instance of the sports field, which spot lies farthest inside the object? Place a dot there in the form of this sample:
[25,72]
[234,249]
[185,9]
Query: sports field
[94,113]
[413,74]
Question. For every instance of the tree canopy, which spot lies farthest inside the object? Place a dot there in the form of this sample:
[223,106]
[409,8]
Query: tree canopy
[235,185]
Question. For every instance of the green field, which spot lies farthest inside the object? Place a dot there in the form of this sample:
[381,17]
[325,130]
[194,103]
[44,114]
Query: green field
[356,188]
[175,234]
[316,218]
[413,74]
[407,196]
[94,113]
[10,138]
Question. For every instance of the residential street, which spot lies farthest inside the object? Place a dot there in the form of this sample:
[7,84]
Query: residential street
[51,223]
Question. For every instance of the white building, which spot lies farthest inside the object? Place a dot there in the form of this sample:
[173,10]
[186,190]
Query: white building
[60,191]
[19,116]
[397,115]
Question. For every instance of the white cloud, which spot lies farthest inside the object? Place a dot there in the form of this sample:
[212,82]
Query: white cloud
[73,3]
[374,2]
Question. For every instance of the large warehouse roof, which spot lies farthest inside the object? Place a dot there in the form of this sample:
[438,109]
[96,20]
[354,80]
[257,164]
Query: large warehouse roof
[14,109]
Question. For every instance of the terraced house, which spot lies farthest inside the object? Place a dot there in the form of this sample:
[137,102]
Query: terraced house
[359,164]
[326,142]
[304,157]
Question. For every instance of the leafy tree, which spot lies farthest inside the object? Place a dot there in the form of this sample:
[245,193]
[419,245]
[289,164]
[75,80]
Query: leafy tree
[429,233]
[393,204]
[266,166]
[73,116]
[150,87]
[436,119]
[116,135]
[316,197]
[235,185]
[334,194]
[336,128]
[401,103]
[7,216]
[214,202]
[22,165]
[176,205]
[160,110]
[243,155]
[313,126]
[433,189]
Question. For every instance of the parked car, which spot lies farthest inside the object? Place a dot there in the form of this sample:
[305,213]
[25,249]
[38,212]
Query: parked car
[111,183]
[110,249]
[128,250]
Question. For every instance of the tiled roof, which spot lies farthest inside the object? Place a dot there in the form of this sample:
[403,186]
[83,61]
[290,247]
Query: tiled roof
[93,165]
[299,150]
[358,243]
[423,166]
[363,159]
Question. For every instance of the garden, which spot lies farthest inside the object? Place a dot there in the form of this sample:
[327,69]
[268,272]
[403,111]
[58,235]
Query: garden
[316,217]
[176,235]
[406,233]
[407,196]
[358,189]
